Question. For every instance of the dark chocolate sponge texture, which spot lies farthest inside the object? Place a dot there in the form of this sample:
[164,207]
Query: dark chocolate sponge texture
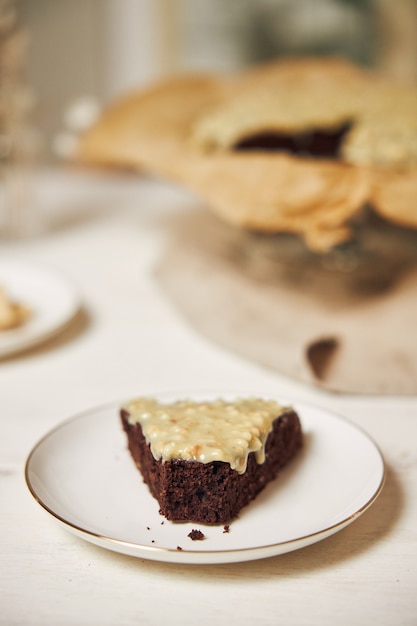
[212,493]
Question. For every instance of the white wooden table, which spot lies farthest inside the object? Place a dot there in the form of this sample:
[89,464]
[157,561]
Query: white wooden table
[106,234]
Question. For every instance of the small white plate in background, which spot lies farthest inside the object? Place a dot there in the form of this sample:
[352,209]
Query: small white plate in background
[51,297]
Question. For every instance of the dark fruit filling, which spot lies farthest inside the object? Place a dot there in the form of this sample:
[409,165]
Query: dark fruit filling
[315,142]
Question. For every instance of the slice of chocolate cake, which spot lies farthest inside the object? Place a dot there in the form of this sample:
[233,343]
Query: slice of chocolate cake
[204,461]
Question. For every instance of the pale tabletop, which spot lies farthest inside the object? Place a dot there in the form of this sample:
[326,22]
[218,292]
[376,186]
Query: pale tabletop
[106,234]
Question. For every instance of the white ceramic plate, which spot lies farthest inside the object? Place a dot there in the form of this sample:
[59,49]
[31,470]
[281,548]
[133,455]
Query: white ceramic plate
[82,474]
[51,297]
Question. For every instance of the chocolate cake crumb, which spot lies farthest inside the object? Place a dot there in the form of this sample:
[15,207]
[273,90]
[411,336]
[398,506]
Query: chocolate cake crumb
[226,529]
[221,491]
[179,548]
[196,535]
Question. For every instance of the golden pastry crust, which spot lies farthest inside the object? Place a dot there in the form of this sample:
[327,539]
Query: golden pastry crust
[394,195]
[383,119]
[287,96]
[168,129]
[385,132]
[149,128]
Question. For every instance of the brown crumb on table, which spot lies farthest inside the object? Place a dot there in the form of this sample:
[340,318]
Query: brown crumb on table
[226,529]
[196,535]
[179,548]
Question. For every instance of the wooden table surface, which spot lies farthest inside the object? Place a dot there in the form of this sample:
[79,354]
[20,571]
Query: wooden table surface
[106,233]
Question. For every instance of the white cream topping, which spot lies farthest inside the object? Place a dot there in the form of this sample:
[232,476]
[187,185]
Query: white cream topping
[206,431]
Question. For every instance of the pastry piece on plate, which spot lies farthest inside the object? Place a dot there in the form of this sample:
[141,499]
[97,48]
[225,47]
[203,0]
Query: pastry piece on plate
[12,314]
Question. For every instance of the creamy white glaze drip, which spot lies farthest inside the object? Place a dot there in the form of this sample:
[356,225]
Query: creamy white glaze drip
[206,431]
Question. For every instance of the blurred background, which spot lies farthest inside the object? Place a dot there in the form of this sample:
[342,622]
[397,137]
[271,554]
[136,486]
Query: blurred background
[65,59]
[62,61]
